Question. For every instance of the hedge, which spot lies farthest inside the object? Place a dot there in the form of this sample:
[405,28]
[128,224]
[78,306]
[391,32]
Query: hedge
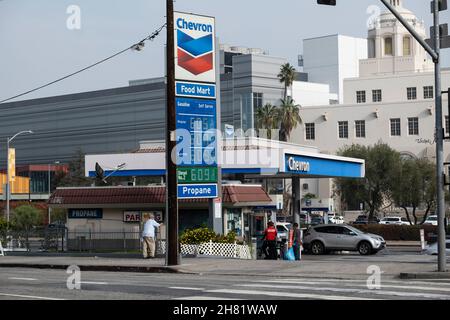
[398,232]
[201,235]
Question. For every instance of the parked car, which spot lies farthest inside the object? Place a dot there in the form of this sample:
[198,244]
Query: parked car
[283,230]
[432,249]
[335,219]
[316,221]
[395,220]
[433,220]
[330,237]
[363,219]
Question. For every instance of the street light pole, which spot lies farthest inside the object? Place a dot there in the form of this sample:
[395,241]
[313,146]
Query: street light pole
[172,251]
[8,141]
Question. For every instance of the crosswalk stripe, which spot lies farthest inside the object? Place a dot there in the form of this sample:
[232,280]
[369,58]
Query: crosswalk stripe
[204,298]
[285,294]
[341,281]
[383,285]
[187,288]
[348,290]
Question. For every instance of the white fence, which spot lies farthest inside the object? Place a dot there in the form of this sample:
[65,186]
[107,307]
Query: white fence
[225,250]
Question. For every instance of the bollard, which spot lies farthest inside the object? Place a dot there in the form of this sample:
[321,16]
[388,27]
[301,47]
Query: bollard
[254,249]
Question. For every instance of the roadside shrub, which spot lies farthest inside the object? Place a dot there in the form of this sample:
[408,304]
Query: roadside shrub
[201,235]
[397,232]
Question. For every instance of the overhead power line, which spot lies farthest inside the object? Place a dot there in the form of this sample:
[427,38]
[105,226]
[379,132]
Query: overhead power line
[137,46]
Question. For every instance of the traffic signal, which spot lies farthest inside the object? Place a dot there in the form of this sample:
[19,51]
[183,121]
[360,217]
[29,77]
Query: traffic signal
[327,2]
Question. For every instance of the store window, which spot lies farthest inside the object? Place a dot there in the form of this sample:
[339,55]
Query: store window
[234,221]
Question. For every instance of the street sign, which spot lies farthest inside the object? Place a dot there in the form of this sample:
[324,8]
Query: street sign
[195,48]
[442,5]
[197,174]
[187,191]
[85,214]
[195,90]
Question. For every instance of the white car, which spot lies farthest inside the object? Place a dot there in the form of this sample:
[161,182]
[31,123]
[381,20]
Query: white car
[432,249]
[336,219]
[395,220]
[283,230]
[433,220]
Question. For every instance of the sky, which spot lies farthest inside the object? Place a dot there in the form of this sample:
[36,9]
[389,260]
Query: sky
[37,47]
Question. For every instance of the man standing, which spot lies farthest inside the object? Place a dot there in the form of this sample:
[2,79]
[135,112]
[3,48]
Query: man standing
[148,236]
[296,241]
[270,238]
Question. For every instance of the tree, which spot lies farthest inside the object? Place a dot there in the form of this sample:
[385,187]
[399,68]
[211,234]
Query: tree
[25,218]
[75,177]
[415,186]
[382,164]
[286,76]
[289,118]
[267,118]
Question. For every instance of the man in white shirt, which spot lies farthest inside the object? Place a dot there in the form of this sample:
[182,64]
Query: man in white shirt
[148,236]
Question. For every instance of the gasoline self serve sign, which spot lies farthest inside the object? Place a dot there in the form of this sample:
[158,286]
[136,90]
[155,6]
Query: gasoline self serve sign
[195,48]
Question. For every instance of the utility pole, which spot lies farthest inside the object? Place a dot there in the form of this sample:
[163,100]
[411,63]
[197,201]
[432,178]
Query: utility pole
[437,6]
[172,250]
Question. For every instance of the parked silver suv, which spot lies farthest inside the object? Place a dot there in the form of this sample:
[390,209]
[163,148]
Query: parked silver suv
[330,237]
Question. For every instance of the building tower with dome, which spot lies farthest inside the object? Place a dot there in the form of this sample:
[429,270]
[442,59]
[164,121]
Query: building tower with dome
[391,48]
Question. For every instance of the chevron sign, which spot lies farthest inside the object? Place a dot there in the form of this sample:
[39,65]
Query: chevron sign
[195,48]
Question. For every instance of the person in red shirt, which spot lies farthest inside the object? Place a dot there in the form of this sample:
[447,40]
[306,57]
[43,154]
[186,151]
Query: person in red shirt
[270,238]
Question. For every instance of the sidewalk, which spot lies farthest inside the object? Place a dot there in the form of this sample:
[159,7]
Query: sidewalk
[350,266]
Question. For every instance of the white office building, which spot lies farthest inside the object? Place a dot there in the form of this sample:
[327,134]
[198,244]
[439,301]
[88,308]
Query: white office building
[331,59]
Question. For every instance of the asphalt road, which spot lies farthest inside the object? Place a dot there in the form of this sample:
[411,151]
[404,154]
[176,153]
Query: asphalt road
[39,284]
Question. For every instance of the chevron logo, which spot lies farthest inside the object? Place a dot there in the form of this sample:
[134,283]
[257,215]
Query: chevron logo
[195,55]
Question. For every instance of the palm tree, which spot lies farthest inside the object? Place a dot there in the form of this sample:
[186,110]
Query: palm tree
[286,76]
[288,117]
[267,118]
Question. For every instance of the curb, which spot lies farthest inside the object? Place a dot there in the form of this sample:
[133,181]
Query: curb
[156,269]
[425,275]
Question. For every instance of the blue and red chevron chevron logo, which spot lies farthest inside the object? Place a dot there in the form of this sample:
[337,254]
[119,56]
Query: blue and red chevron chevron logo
[195,55]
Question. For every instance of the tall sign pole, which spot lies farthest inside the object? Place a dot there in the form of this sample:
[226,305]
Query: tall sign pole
[172,251]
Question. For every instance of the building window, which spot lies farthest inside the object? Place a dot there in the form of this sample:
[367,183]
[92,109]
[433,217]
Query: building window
[395,127]
[413,126]
[376,95]
[406,46]
[388,48]
[343,129]
[411,93]
[360,97]
[428,92]
[305,186]
[310,131]
[234,221]
[447,124]
[257,100]
[360,128]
